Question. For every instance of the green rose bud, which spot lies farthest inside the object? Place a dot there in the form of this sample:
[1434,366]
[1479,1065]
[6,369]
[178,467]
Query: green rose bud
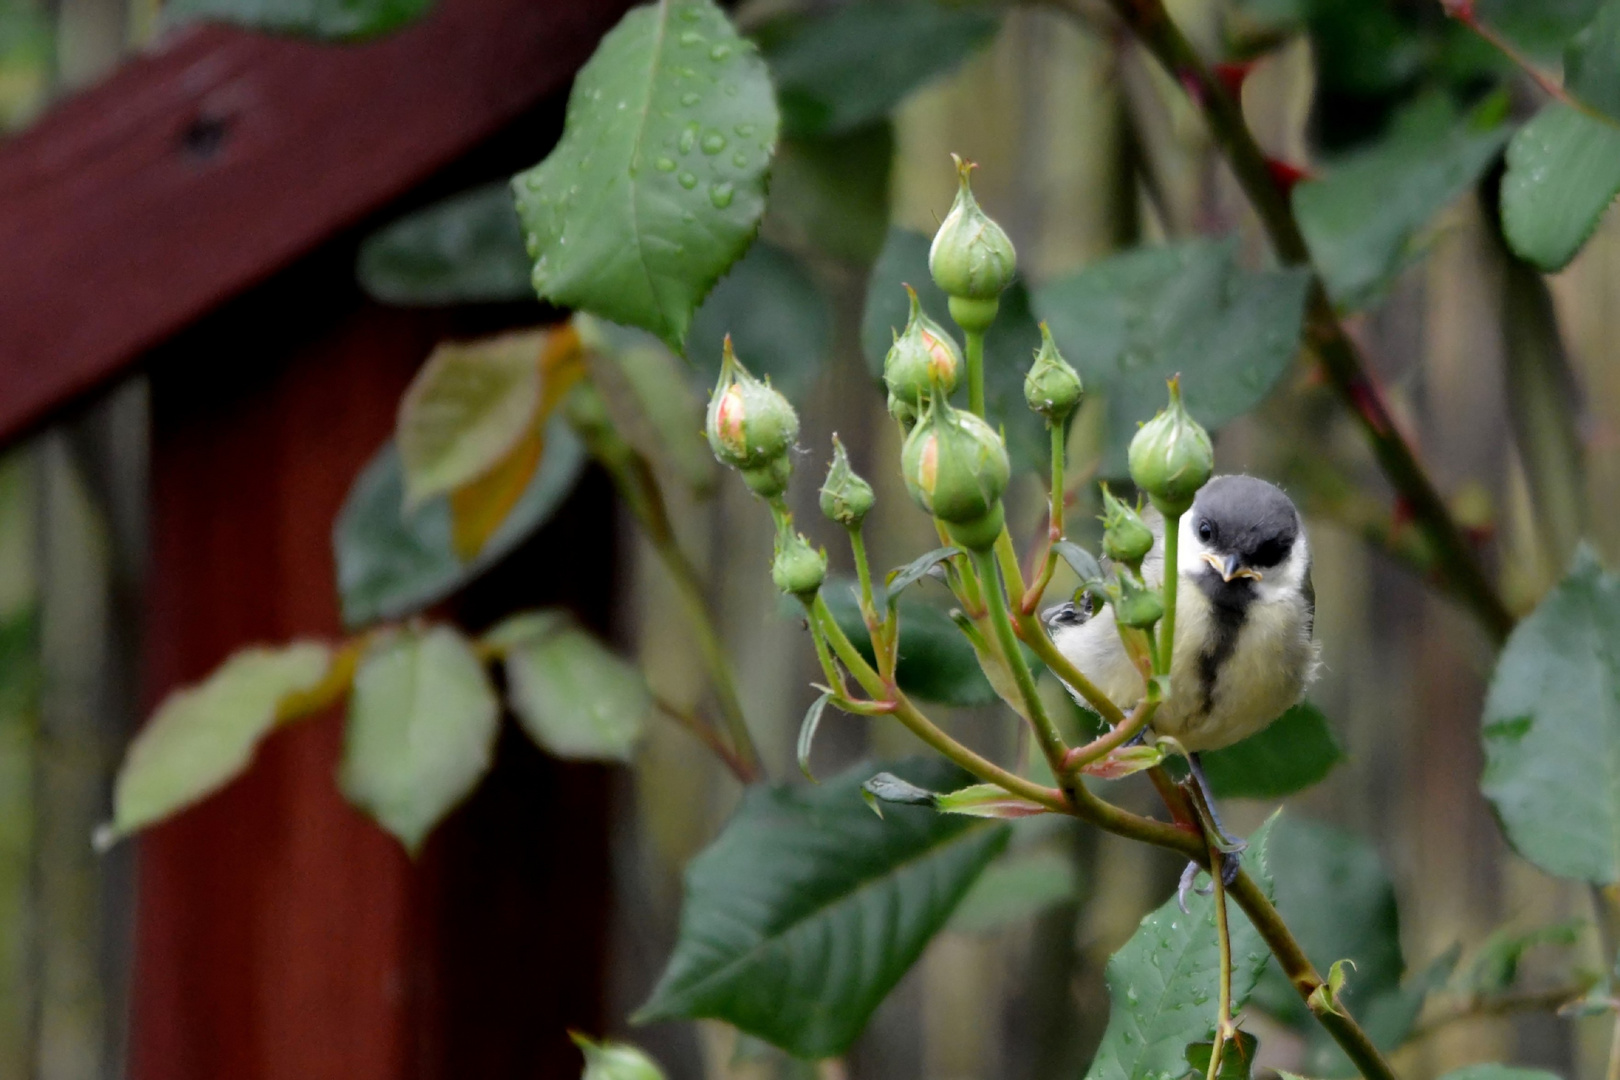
[797,569]
[1052,388]
[1171,457]
[956,467]
[845,497]
[1126,538]
[770,479]
[749,424]
[923,354]
[1137,606]
[971,257]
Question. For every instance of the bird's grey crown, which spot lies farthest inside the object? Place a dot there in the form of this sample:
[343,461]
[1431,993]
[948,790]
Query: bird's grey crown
[1246,516]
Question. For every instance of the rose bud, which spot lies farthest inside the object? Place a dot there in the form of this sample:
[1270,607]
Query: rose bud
[845,497]
[1171,457]
[956,467]
[1126,538]
[1052,388]
[922,354]
[971,257]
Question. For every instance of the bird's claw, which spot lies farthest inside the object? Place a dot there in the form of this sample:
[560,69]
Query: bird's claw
[1231,867]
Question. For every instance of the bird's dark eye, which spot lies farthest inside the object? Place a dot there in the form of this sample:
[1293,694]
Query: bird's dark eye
[1204,531]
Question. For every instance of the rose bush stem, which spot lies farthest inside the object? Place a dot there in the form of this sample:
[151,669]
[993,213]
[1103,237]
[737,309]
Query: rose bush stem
[1457,561]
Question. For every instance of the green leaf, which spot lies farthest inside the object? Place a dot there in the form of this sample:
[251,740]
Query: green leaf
[658,183]
[779,320]
[1552,729]
[1162,984]
[1592,62]
[334,20]
[466,409]
[849,65]
[1130,322]
[202,737]
[1009,345]
[1294,753]
[1498,1072]
[1563,169]
[832,193]
[808,909]
[421,732]
[807,733]
[392,563]
[615,1061]
[1014,890]
[936,662]
[466,249]
[576,698]
[1335,894]
[1495,966]
[1082,562]
[902,578]
[1237,1057]
[1366,220]
[651,399]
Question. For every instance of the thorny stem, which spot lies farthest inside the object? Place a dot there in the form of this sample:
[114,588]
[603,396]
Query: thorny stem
[1111,740]
[1046,731]
[1464,13]
[1172,575]
[634,479]
[975,370]
[1340,359]
[1223,1019]
[708,737]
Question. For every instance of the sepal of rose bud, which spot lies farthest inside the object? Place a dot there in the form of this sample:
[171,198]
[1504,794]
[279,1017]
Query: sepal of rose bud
[903,412]
[956,467]
[1052,388]
[770,480]
[845,497]
[797,568]
[971,257]
[1126,537]
[922,354]
[1171,456]
[1137,606]
[749,423]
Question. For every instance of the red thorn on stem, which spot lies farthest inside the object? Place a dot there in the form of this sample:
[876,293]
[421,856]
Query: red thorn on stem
[1231,75]
[1191,87]
[1401,515]
[1461,10]
[1285,175]
[1368,405]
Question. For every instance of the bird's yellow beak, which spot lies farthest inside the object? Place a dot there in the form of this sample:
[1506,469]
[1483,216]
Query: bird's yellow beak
[1229,567]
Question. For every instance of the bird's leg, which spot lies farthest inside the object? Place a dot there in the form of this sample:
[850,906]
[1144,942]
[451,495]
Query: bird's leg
[1203,800]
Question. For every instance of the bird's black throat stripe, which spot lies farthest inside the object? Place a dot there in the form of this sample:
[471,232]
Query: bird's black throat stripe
[1228,607]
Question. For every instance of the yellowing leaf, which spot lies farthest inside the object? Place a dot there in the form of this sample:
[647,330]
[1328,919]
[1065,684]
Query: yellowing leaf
[478,508]
[466,409]
[203,736]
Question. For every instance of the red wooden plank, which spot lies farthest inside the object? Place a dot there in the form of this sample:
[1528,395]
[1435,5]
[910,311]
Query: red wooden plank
[280,934]
[199,170]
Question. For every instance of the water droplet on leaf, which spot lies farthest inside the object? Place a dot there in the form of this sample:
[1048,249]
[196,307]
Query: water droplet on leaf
[720,195]
[713,142]
[665,164]
[688,180]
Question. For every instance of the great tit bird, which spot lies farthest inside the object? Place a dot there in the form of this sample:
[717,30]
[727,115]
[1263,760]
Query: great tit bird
[1245,610]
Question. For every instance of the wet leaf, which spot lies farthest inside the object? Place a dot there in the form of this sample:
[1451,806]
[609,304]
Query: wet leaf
[466,249]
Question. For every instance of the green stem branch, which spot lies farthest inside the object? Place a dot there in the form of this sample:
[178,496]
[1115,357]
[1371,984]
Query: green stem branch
[975,370]
[1223,938]
[1046,731]
[1172,575]
[1458,563]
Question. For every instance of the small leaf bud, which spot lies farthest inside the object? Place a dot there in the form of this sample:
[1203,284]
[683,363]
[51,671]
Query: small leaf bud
[749,424]
[845,497]
[1126,538]
[1052,388]
[971,257]
[1171,457]
[1137,606]
[922,354]
[797,568]
[956,467]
